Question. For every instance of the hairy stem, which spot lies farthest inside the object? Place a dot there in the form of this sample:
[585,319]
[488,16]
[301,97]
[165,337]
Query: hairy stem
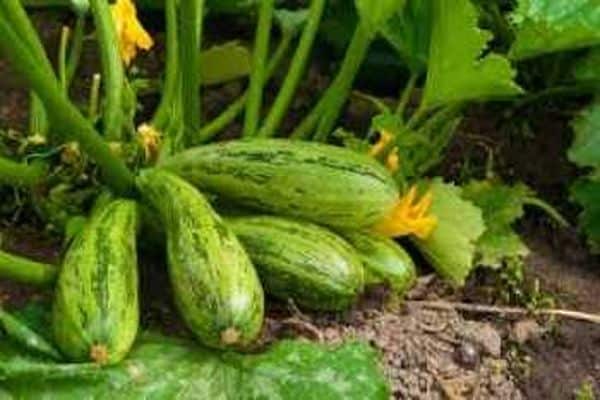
[190,25]
[258,75]
[170,92]
[295,72]
[337,94]
[113,75]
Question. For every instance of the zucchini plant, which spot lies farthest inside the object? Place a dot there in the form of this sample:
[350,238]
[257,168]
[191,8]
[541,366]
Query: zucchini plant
[327,213]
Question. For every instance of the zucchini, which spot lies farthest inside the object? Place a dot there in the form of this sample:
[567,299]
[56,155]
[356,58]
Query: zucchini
[215,285]
[301,261]
[95,315]
[325,184]
[384,260]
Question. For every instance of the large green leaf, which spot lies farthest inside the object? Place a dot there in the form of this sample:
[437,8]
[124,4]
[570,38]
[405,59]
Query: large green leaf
[546,26]
[502,205]
[409,31]
[374,14]
[165,368]
[585,150]
[587,193]
[458,68]
[451,247]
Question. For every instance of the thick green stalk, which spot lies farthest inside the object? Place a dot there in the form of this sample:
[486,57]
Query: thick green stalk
[170,92]
[113,75]
[190,25]
[259,60]
[26,271]
[20,174]
[295,72]
[234,109]
[20,23]
[338,92]
[69,121]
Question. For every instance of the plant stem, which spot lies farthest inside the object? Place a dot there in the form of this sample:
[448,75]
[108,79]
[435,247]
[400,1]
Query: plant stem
[548,209]
[259,60]
[94,98]
[69,121]
[295,72]
[62,57]
[190,25]
[113,76]
[170,92]
[76,48]
[20,174]
[234,109]
[308,124]
[338,92]
[26,271]
[405,97]
[20,23]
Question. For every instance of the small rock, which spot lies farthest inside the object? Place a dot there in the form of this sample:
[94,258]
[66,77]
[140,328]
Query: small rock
[485,336]
[467,355]
[525,330]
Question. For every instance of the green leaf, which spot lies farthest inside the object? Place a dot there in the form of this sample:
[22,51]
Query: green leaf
[547,26]
[165,368]
[409,31]
[586,70]
[585,150]
[452,245]
[459,69]
[502,205]
[587,193]
[374,14]
[224,63]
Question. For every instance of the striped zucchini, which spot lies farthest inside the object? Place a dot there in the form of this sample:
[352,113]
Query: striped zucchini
[216,287]
[384,260]
[301,261]
[95,313]
[325,184]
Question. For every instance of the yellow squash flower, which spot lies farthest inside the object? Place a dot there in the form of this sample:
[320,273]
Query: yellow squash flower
[392,161]
[410,216]
[130,31]
[149,139]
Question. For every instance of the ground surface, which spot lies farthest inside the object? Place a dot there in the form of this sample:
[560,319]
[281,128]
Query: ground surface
[428,354]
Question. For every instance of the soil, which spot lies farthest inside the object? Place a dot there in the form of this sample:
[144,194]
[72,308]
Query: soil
[427,354]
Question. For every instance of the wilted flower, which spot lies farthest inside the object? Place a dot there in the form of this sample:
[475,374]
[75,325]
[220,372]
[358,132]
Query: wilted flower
[130,31]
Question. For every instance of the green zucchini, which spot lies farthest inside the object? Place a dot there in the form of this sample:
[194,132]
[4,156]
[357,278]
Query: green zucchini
[216,288]
[301,261]
[95,314]
[384,260]
[325,184]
